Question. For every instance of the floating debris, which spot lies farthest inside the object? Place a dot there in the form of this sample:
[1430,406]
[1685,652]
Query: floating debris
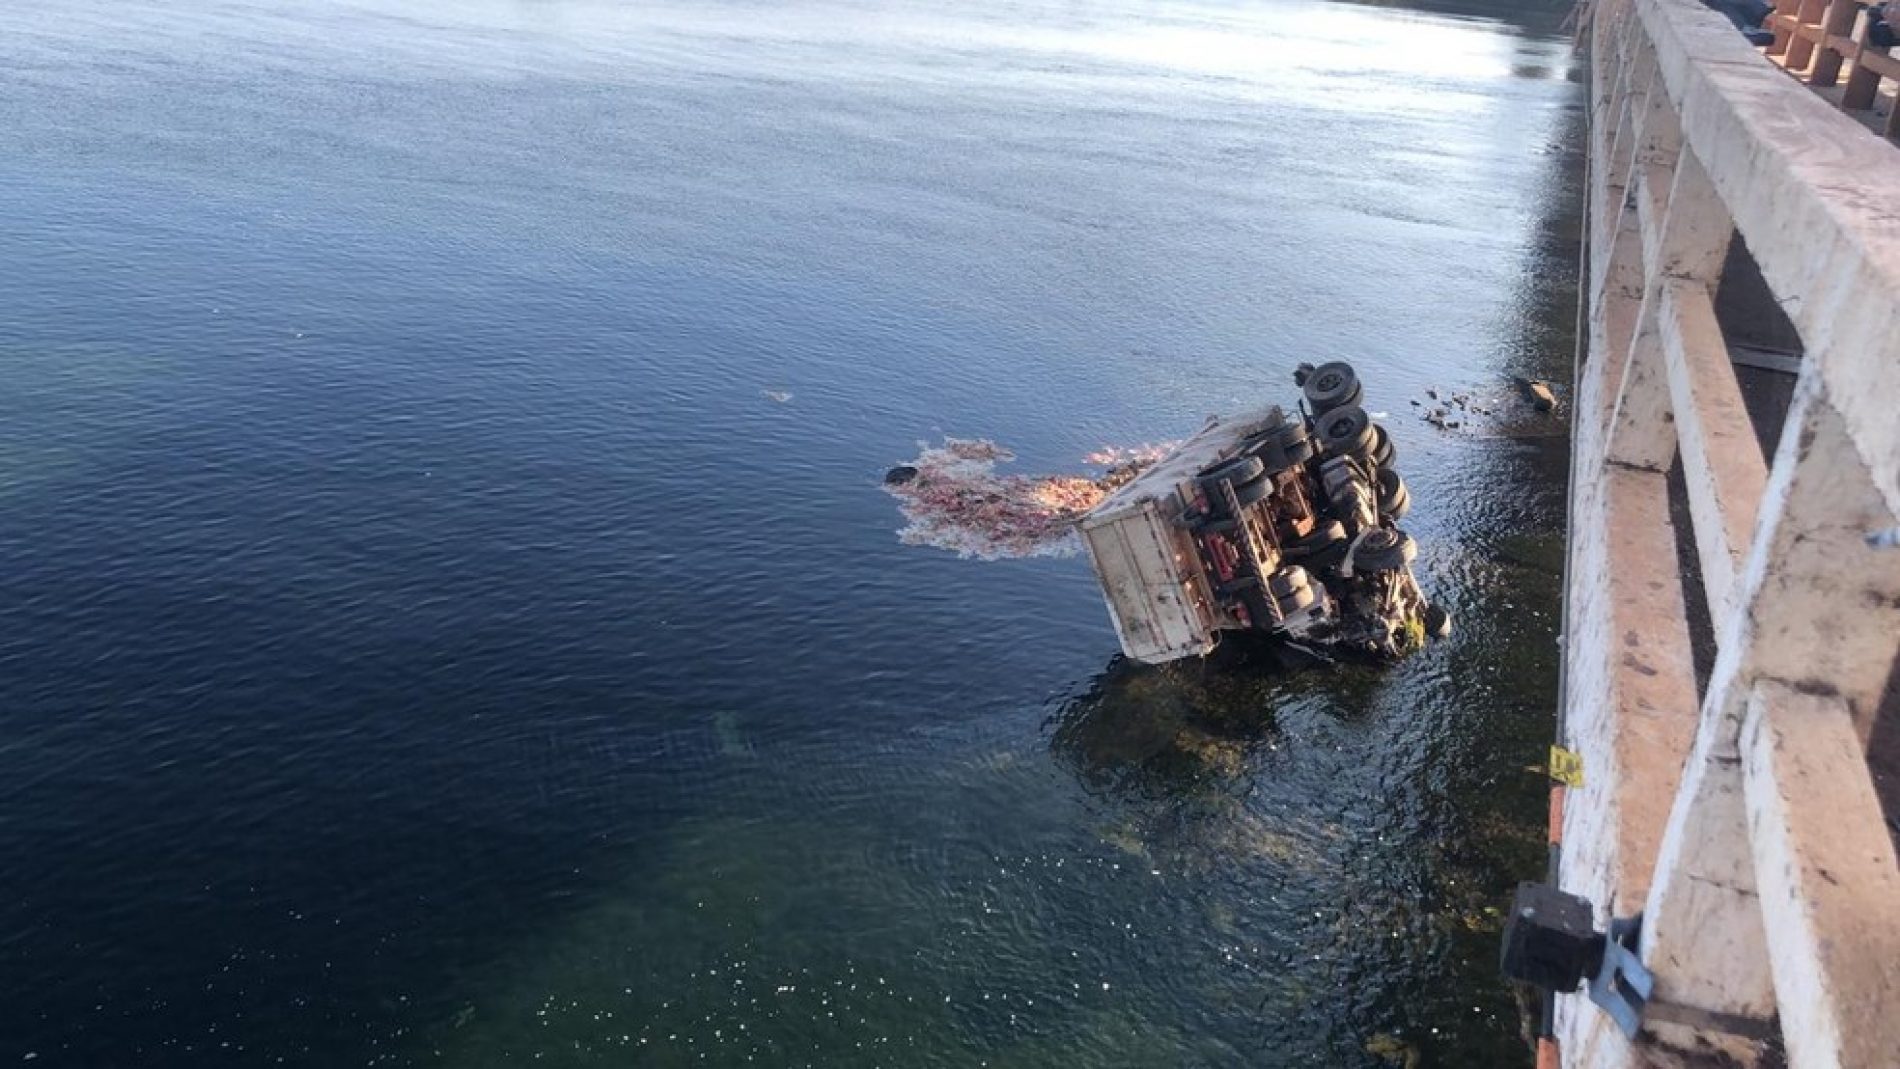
[780,396]
[1498,413]
[953,498]
[1542,399]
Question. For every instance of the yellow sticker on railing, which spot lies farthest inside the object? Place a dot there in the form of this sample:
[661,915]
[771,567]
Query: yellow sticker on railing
[1566,766]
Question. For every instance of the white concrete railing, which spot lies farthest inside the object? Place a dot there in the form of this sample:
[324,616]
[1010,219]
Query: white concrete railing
[1749,833]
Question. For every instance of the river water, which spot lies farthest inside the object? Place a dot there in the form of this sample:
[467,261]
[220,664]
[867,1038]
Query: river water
[430,634]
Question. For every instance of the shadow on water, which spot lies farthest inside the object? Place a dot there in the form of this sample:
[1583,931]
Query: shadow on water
[1163,729]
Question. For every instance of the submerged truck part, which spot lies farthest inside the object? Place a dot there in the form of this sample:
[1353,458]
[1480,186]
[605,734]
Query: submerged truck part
[1273,521]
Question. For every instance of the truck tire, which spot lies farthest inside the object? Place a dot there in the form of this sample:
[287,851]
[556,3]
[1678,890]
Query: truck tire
[1324,548]
[1384,549]
[1253,492]
[1295,601]
[1330,531]
[1300,451]
[1394,499]
[1356,397]
[1383,454]
[1271,455]
[1330,386]
[1287,445]
[1346,431]
[1238,470]
[1287,580]
[1401,505]
[1293,430]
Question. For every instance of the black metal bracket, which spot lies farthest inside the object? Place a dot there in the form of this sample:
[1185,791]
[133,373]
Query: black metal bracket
[1551,942]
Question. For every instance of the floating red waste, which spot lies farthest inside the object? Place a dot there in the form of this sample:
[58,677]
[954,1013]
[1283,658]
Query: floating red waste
[953,498]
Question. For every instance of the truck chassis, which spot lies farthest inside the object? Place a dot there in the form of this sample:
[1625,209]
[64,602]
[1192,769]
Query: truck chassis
[1273,521]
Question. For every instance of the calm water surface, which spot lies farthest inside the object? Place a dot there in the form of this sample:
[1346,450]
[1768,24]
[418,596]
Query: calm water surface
[422,642]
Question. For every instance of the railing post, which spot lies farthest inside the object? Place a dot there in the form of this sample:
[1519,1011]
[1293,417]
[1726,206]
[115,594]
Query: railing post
[1827,876]
[1801,46]
[1815,606]
[1784,9]
[1691,238]
[1863,85]
[1838,22]
[1723,473]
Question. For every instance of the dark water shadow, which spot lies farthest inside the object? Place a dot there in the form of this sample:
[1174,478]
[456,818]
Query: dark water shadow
[1158,730]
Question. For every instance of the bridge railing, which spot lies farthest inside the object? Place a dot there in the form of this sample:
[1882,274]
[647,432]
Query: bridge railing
[1815,39]
[1734,807]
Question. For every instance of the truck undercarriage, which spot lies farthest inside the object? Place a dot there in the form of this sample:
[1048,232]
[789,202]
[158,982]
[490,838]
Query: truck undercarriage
[1275,521]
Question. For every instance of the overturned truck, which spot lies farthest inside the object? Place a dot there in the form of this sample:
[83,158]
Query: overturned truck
[1275,521]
